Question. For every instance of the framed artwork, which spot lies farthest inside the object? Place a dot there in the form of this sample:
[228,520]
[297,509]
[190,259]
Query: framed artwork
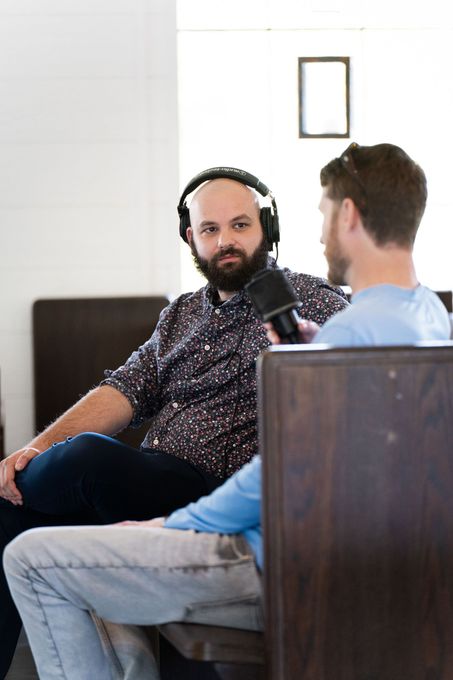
[324,97]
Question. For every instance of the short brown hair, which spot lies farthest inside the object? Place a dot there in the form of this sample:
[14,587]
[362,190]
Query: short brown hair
[387,186]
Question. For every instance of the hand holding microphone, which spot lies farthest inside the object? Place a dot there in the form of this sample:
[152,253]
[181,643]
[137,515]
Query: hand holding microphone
[307,331]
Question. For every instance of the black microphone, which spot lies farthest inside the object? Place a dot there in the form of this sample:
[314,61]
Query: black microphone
[275,300]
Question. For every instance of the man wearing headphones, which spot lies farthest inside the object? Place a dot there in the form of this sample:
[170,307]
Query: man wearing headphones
[194,380]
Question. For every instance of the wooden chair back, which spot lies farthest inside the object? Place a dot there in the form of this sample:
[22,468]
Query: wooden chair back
[357,449]
[75,340]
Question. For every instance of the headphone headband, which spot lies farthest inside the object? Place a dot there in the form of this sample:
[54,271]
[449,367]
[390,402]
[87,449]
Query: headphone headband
[269,218]
[224,173]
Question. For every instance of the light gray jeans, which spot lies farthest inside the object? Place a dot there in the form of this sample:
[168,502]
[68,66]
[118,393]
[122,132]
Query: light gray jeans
[83,592]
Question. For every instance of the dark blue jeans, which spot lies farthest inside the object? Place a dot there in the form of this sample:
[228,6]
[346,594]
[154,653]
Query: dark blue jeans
[91,479]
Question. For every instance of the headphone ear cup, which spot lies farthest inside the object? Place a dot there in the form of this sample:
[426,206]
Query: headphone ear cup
[275,228]
[184,223]
[267,219]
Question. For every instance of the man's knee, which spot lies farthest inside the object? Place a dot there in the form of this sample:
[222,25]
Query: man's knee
[48,479]
[81,452]
[87,444]
[89,452]
[16,553]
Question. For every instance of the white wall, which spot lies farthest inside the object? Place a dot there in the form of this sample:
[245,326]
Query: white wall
[238,104]
[88,165]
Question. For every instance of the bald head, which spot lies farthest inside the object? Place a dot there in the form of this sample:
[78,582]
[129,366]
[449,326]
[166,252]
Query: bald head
[223,197]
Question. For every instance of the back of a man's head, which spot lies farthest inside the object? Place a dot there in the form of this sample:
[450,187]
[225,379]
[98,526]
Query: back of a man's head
[386,185]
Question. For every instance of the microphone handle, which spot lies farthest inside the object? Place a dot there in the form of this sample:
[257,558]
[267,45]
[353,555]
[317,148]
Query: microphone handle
[285,325]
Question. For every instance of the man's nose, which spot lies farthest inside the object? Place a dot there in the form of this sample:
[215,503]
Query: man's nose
[225,238]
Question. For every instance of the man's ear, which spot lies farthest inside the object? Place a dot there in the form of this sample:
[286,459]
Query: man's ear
[189,234]
[349,215]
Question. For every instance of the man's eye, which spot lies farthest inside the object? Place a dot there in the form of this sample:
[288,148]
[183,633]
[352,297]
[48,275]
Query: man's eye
[209,230]
[240,225]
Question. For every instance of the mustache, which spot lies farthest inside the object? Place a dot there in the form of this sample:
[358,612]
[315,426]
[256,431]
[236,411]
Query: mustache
[225,252]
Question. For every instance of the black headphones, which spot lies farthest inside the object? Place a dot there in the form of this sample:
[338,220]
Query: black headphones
[268,216]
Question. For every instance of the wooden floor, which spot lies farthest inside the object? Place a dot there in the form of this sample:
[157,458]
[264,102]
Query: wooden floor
[23,667]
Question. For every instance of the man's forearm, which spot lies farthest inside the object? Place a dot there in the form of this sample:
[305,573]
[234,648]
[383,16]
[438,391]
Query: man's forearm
[104,410]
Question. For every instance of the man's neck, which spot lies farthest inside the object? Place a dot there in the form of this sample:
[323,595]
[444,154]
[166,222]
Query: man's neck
[226,295]
[388,265]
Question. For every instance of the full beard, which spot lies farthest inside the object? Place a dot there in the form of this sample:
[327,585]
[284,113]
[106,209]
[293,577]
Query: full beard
[231,276]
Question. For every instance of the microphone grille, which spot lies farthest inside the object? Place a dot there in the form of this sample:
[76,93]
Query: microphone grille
[271,293]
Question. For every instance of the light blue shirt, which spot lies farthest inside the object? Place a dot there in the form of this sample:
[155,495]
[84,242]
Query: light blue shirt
[388,315]
[381,315]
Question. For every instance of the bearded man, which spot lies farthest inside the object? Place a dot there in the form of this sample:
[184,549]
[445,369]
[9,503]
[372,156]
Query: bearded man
[193,380]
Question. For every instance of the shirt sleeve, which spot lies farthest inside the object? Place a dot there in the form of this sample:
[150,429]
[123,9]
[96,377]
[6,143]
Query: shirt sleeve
[231,508]
[138,380]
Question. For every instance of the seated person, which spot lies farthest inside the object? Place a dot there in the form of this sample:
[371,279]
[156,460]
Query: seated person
[202,563]
[194,380]
[369,247]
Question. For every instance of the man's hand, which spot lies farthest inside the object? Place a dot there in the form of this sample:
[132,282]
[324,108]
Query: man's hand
[307,331]
[8,468]
[156,522]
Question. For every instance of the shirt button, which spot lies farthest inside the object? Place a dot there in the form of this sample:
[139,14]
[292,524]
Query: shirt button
[175,404]
[217,311]
[155,441]
[207,347]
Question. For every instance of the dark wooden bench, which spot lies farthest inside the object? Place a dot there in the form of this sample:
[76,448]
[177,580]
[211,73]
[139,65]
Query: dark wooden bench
[357,449]
[75,340]
[210,652]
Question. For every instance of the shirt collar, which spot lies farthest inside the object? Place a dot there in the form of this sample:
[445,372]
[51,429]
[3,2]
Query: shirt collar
[211,298]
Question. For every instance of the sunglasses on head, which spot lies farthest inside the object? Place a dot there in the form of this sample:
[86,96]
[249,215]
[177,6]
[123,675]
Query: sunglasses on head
[347,162]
